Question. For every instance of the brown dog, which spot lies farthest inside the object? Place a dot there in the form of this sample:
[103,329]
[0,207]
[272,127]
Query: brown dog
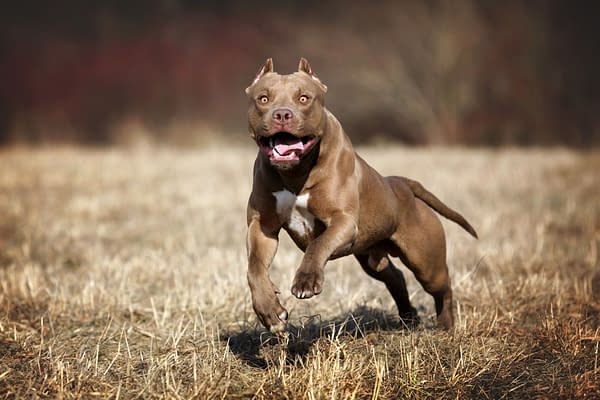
[309,181]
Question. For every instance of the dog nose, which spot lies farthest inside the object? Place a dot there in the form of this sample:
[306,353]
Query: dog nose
[283,115]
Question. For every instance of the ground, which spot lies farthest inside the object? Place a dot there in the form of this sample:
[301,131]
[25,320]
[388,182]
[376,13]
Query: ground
[122,275]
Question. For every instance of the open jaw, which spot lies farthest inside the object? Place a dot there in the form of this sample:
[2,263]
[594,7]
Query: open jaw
[284,147]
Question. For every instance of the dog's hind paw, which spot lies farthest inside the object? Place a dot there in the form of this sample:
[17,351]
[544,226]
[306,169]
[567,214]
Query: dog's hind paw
[410,319]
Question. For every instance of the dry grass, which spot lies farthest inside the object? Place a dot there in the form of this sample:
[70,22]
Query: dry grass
[122,275]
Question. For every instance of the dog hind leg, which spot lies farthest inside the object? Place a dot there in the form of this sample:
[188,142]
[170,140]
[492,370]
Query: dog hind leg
[422,249]
[421,246]
[393,279]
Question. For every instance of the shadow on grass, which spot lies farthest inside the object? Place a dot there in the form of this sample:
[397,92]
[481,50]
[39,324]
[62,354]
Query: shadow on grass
[298,340]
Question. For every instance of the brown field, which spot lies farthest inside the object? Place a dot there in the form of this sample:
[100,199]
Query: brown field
[122,275]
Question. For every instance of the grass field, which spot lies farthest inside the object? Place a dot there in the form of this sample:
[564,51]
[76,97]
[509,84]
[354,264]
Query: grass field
[122,275]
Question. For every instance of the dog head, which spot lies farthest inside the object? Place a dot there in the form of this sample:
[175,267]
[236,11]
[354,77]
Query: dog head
[286,116]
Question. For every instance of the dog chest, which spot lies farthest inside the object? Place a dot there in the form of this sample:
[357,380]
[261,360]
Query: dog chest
[293,211]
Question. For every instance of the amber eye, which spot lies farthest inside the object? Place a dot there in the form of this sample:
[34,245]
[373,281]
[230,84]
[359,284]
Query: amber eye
[303,99]
[263,99]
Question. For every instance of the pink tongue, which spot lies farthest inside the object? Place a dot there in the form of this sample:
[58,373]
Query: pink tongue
[288,146]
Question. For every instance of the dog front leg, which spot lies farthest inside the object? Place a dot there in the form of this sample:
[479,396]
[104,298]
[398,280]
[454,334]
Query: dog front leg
[261,249]
[337,239]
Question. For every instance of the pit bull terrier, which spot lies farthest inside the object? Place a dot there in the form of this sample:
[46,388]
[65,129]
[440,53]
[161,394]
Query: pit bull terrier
[309,181]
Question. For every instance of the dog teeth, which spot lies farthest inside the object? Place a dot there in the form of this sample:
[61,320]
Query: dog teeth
[271,142]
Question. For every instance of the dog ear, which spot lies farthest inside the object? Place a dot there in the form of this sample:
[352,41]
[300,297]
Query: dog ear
[304,66]
[267,67]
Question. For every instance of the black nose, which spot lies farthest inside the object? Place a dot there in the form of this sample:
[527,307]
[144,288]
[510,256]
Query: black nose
[283,114]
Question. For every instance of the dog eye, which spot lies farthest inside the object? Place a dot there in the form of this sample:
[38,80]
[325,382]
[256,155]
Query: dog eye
[303,99]
[263,99]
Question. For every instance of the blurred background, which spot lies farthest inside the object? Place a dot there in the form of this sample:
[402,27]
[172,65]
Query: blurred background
[417,72]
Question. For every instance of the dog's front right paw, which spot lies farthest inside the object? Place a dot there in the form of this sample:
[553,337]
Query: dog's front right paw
[280,324]
[273,316]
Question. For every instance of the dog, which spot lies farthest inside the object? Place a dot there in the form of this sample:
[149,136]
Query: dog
[308,180]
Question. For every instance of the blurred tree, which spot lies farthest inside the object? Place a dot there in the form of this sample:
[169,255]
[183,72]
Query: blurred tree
[462,71]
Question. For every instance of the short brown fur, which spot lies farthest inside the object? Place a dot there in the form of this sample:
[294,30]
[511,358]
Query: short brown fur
[355,210]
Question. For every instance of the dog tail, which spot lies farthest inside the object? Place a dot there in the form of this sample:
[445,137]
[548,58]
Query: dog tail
[429,198]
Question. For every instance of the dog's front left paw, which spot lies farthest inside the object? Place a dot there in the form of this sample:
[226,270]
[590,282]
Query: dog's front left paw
[307,284]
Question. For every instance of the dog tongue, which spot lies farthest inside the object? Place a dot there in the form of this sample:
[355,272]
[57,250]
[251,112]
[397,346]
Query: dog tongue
[287,145]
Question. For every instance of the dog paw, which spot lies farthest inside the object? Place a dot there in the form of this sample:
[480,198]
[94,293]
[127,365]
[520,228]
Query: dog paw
[307,284]
[410,318]
[445,321]
[280,325]
[273,316]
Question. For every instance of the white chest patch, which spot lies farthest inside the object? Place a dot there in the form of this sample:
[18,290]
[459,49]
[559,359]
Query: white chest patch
[293,210]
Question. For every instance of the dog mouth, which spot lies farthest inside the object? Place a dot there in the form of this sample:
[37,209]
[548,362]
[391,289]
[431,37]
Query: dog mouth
[284,147]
